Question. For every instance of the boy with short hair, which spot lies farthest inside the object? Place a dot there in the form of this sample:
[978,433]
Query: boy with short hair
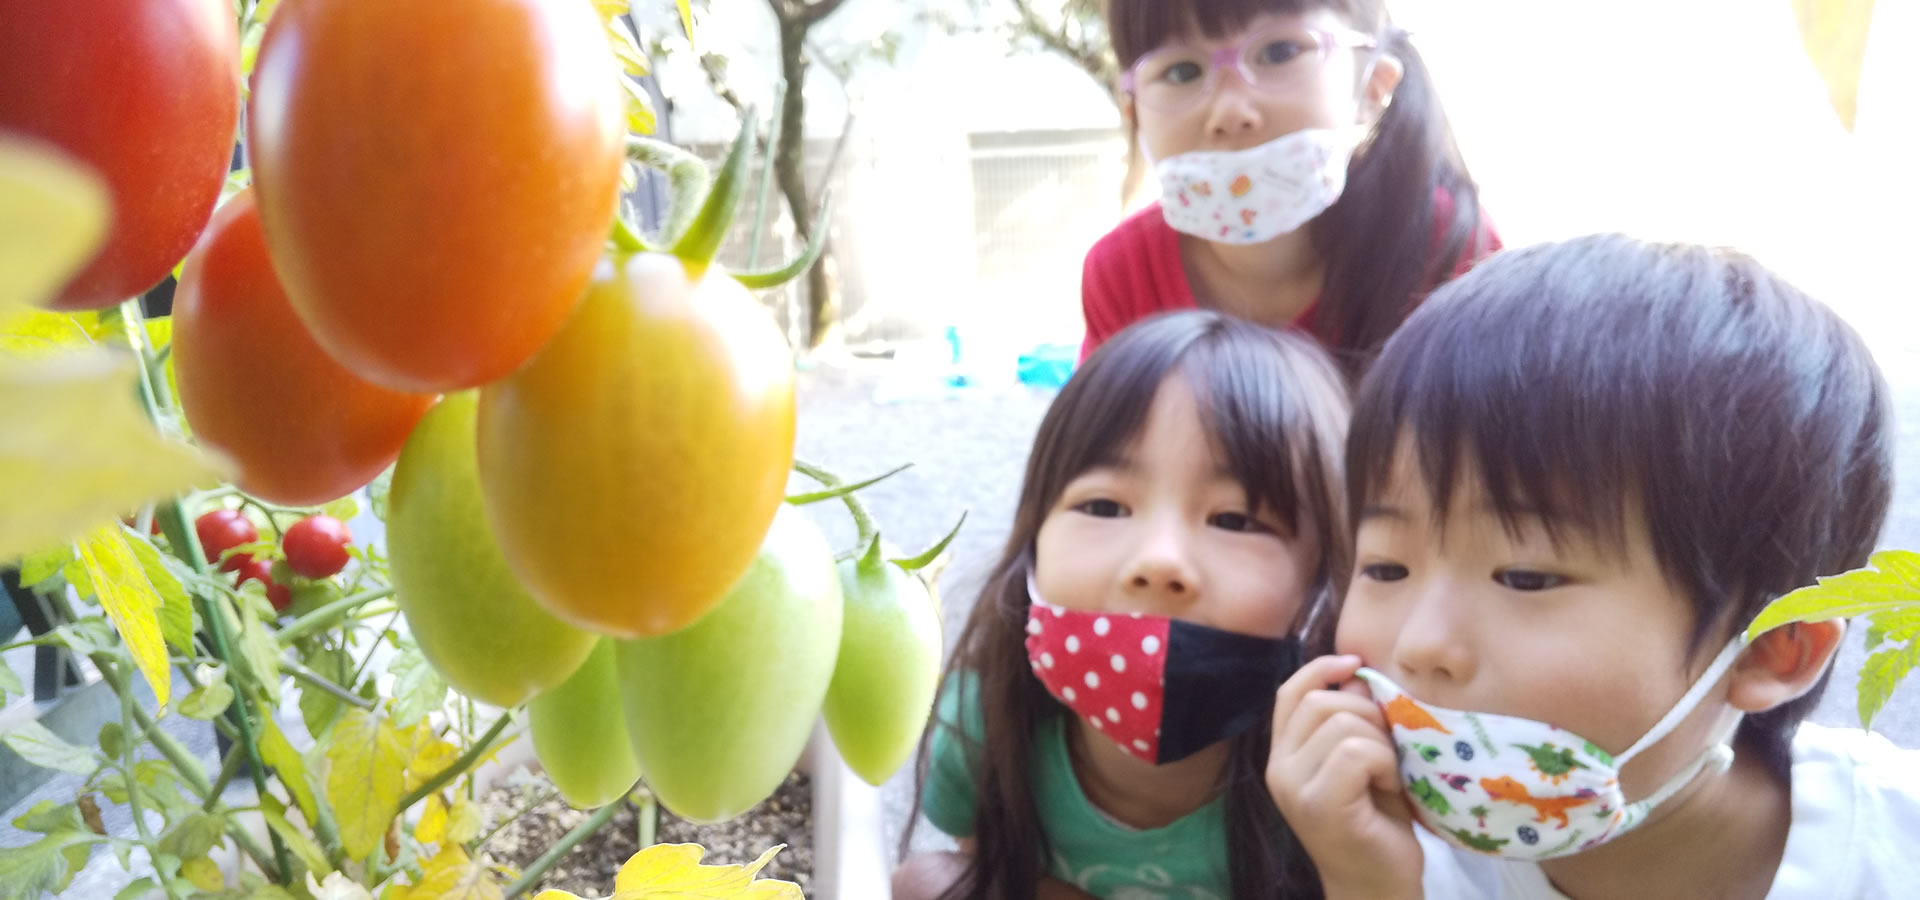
[1577,474]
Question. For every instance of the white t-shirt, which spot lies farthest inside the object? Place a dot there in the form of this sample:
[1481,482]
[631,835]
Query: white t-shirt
[1855,832]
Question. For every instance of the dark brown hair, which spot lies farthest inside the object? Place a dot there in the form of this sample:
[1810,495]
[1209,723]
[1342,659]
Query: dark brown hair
[1378,241]
[1275,409]
[1581,380]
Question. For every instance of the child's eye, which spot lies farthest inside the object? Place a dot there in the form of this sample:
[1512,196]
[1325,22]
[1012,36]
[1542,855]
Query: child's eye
[1525,580]
[1236,522]
[1383,571]
[1105,509]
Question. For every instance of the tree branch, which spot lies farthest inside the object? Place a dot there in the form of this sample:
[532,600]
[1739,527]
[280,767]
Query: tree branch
[1090,58]
[810,14]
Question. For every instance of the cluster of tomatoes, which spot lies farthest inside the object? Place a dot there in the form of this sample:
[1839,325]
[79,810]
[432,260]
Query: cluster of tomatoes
[314,547]
[591,437]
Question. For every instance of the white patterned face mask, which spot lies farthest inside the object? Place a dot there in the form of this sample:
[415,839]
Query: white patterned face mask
[1254,195]
[1523,789]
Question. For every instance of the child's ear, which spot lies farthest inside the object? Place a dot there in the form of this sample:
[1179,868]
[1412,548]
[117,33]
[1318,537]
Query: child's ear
[1383,78]
[1782,664]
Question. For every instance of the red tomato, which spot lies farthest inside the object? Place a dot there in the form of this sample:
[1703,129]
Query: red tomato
[147,93]
[316,546]
[255,385]
[222,530]
[437,179]
[257,569]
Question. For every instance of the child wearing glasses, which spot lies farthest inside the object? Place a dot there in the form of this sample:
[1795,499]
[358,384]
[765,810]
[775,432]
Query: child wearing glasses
[1308,176]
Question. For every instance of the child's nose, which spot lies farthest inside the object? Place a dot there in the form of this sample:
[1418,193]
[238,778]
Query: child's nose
[1162,570]
[1433,645]
[1232,110]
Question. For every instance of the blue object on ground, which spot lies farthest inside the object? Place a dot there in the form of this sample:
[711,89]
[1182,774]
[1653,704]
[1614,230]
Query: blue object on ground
[1049,365]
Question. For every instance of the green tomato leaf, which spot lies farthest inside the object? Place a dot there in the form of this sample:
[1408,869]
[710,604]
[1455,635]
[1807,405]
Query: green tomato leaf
[88,636]
[40,566]
[417,688]
[377,494]
[138,889]
[278,752]
[317,707]
[9,682]
[46,818]
[1879,676]
[42,867]
[43,748]
[193,835]
[258,648]
[1894,587]
[343,509]
[310,853]
[366,769]
[212,698]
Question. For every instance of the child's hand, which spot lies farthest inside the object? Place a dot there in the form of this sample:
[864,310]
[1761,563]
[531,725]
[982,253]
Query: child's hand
[1334,775]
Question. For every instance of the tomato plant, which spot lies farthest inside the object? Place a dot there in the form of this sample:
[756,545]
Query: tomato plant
[435,219]
[316,546]
[221,530]
[254,384]
[146,92]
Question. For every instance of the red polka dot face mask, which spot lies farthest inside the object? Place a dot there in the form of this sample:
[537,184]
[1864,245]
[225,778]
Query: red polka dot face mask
[1162,689]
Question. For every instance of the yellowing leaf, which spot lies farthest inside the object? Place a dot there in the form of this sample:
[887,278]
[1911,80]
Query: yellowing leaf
[365,769]
[130,601]
[640,117]
[202,873]
[53,219]
[626,47]
[433,821]
[674,872]
[78,451]
[38,332]
[463,822]
[450,875]
[278,752]
[176,608]
[686,20]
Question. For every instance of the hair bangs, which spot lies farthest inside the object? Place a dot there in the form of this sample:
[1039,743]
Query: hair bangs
[1137,27]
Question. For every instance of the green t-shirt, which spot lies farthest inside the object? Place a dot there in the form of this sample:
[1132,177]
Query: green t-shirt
[1184,860]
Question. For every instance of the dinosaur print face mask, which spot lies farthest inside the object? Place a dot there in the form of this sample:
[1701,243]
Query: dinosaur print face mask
[1522,789]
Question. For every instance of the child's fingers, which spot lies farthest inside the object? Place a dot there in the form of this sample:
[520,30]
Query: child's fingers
[1311,712]
[1330,758]
[1316,675]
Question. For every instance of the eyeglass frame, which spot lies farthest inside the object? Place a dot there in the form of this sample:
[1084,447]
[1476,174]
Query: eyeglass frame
[1234,53]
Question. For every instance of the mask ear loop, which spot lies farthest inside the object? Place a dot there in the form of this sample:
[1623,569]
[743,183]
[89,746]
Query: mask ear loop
[1687,702]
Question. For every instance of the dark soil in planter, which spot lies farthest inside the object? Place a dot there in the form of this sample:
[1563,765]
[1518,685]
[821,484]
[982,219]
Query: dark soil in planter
[784,818]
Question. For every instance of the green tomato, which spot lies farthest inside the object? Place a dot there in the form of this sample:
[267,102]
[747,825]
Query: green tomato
[580,737]
[888,668]
[471,618]
[719,711]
